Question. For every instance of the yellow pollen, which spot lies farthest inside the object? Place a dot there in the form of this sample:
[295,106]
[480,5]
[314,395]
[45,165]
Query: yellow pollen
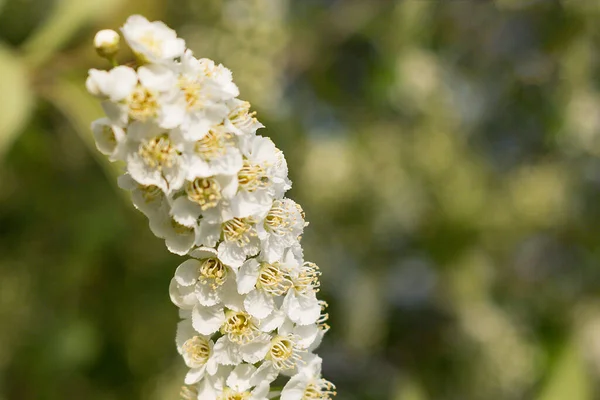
[252,177]
[149,40]
[198,350]
[213,145]
[320,389]
[280,220]
[142,104]
[239,230]
[192,90]
[205,192]
[321,322]
[284,353]
[307,278]
[212,269]
[229,394]
[239,327]
[241,117]
[272,279]
[159,152]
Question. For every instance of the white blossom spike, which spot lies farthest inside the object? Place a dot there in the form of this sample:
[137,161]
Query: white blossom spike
[214,191]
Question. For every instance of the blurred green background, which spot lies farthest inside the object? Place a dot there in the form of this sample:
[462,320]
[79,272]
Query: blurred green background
[445,152]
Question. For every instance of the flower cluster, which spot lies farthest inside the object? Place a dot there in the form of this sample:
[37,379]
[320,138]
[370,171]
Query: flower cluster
[214,190]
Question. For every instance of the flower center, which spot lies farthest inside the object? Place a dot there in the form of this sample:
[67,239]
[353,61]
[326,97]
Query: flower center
[272,279]
[142,104]
[239,327]
[213,145]
[281,220]
[239,230]
[252,177]
[159,152]
[229,394]
[212,269]
[204,191]
[320,389]
[192,91]
[150,192]
[284,352]
[154,45]
[197,350]
[241,117]
[308,278]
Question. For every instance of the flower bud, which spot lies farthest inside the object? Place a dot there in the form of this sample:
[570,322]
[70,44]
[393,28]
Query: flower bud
[106,42]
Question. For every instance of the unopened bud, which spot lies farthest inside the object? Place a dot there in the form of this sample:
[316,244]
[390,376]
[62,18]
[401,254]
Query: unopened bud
[107,43]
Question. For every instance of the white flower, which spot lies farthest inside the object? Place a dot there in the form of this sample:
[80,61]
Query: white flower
[262,282]
[242,339]
[285,351]
[228,352]
[214,190]
[280,229]
[222,77]
[308,384]
[215,153]
[262,178]
[154,157]
[149,199]
[208,197]
[114,85]
[309,335]
[110,139]
[151,95]
[240,385]
[284,355]
[179,238]
[197,352]
[205,88]
[106,42]
[240,327]
[208,278]
[239,241]
[152,41]
[306,336]
[300,303]
[240,121]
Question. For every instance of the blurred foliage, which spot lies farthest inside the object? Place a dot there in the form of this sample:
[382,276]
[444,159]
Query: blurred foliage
[446,154]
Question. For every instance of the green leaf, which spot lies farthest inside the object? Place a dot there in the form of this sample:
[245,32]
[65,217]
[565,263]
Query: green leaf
[16,100]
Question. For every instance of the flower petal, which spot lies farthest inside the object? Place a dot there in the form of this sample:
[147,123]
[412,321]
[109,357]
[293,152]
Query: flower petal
[185,212]
[259,304]
[194,375]
[239,379]
[294,389]
[247,276]
[226,352]
[207,320]
[187,272]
